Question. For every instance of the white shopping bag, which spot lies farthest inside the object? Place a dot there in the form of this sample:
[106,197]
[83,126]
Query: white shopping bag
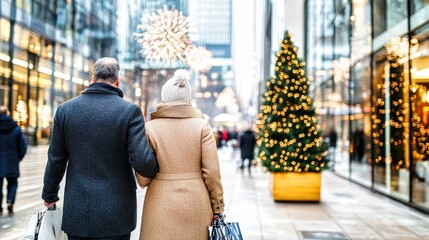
[32,225]
[46,225]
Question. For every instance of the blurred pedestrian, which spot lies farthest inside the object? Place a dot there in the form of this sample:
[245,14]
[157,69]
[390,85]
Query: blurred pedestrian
[185,196]
[234,143]
[98,138]
[225,135]
[358,145]
[247,147]
[332,146]
[333,138]
[13,147]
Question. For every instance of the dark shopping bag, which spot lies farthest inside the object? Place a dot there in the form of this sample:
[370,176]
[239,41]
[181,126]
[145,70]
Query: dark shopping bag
[46,225]
[221,230]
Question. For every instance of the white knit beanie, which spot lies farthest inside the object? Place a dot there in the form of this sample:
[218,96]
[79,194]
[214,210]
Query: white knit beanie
[177,88]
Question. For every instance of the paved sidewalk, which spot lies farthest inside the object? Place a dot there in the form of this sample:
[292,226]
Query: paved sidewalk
[346,210]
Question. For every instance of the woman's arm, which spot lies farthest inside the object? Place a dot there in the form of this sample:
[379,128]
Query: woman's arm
[211,171]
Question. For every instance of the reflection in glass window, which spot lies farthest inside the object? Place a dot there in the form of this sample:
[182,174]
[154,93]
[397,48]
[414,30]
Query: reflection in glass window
[420,118]
[24,5]
[390,114]
[4,30]
[396,12]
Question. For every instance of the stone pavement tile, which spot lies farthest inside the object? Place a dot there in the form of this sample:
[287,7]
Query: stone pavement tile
[316,225]
[355,227]
[338,211]
[281,237]
[402,237]
[418,227]
[365,236]
[392,229]
[307,211]
[275,227]
[377,220]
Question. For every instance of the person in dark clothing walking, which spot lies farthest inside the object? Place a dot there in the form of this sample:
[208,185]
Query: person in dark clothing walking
[247,147]
[333,138]
[13,146]
[359,144]
[98,138]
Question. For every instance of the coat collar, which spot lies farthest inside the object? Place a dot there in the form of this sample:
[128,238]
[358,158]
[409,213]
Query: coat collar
[6,123]
[103,88]
[176,109]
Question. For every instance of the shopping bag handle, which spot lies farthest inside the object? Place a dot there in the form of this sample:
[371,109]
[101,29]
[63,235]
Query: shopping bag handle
[52,208]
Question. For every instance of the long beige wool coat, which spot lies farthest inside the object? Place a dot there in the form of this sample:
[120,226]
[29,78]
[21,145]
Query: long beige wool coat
[181,199]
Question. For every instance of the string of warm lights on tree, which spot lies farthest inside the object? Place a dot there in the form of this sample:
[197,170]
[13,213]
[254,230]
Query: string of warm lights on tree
[390,114]
[420,133]
[289,137]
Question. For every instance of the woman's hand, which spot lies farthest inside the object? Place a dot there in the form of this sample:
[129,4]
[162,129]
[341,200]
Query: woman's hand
[218,216]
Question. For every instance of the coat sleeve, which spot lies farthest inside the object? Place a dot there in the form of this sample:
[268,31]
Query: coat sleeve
[211,171]
[141,156]
[58,157]
[22,145]
[144,181]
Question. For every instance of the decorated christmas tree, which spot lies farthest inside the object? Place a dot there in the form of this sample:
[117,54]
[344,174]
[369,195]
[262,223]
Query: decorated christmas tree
[420,135]
[289,138]
[389,114]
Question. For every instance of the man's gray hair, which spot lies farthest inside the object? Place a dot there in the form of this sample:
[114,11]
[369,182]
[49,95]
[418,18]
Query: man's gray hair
[106,69]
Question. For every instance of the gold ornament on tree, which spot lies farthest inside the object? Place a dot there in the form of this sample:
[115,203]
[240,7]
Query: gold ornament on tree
[165,35]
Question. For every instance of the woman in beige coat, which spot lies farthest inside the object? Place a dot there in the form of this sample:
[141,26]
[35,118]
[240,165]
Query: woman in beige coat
[186,194]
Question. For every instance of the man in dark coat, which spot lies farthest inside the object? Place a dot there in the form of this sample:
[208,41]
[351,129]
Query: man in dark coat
[99,138]
[247,147]
[12,150]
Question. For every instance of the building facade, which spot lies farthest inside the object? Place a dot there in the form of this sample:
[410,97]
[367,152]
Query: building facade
[368,62]
[211,27]
[47,49]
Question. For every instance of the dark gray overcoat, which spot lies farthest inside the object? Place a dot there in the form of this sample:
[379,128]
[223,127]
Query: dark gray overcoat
[99,138]
[13,146]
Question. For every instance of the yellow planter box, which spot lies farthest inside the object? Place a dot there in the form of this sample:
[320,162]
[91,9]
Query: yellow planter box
[293,186]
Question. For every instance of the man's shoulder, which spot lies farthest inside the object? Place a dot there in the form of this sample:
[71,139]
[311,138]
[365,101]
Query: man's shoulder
[83,98]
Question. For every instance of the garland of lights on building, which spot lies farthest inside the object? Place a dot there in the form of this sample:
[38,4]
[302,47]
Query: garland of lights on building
[289,138]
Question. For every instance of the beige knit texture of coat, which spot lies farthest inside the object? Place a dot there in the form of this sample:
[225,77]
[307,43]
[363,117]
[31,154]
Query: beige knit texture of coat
[181,199]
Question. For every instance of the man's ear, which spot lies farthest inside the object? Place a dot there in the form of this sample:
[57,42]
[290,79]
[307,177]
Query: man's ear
[118,81]
[93,79]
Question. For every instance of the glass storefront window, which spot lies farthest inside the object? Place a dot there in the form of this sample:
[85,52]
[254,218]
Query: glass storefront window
[379,8]
[419,12]
[420,118]
[24,5]
[47,49]
[361,122]
[19,112]
[27,40]
[4,30]
[339,91]
[361,93]
[390,115]
[396,12]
